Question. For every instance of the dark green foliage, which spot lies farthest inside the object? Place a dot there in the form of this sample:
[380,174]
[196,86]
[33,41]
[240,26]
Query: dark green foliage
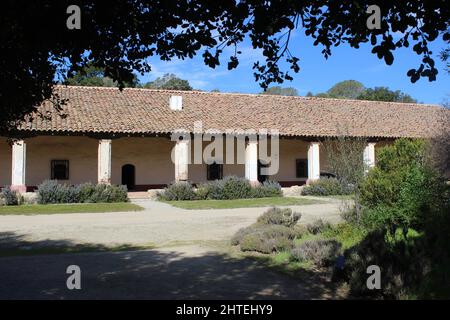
[10,197]
[384,94]
[35,55]
[178,191]
[169,82]
[86,191]
[402,191]
[402,258]
[279,91]
[94,76]
[347,89]
[327,187]
[406,209]
[319,251]
[279,216]
[351,89]
[50,191]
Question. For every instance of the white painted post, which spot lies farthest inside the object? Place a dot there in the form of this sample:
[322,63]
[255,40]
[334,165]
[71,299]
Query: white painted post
[104,161]
[369,156]
[181,160]
[313,162]
[19,155]
[251,162]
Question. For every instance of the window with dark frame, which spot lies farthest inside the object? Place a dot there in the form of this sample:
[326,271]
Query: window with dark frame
[214,171]
[60,169]
[301,168]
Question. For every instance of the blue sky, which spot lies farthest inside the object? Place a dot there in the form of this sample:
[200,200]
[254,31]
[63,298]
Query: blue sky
[316,74]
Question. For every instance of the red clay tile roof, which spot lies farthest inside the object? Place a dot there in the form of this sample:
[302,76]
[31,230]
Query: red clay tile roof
[145,111]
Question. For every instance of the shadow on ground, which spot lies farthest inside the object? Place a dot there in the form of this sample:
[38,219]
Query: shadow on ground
[149,274]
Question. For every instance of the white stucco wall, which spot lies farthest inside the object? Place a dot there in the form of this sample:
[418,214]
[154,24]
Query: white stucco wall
[151,157]
[80,151]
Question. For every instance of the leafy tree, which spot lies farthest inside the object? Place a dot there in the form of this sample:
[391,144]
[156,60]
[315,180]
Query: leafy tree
[279,91]
[348,89]
[94,76]
[38,50]
[169,81]
[351,89]
[384,94]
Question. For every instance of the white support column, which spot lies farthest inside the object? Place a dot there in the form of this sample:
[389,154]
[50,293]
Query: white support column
[19,156]
[369,155]
[104,161]
[181,160]
[251,162]
[313,162]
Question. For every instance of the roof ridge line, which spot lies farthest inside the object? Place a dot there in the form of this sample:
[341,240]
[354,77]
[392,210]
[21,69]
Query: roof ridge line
[249,94]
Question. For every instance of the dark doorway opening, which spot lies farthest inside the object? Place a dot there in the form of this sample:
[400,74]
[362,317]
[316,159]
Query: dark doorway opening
[128,176]
[262,177]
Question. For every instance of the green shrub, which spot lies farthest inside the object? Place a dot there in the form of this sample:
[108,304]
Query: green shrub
[178,191]
[327,187]
[85,192]
[212,190]
[318,226]
[279,216]
[402,258]
[319,251]
[268,231]
[402,191]
[237,238]
[10,197]
[229,188]
[236,188]
[267,189]
[109,193]
[264,238]
[50,191]
[267,240]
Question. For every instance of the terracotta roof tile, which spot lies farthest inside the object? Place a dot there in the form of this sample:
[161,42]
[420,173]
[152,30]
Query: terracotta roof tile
[145,111]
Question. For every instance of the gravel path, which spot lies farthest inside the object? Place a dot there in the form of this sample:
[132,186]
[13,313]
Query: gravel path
[190,268]
[156,274]
[159,224]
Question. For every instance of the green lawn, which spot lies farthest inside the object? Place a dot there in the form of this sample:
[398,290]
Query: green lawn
[68,208]
[241,203]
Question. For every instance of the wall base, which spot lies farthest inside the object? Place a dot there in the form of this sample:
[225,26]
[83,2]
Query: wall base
[21,188]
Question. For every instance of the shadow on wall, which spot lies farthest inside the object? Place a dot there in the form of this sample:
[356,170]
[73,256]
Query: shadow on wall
[146,274]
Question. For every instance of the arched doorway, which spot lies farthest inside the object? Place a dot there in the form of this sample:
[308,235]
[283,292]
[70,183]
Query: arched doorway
[128,176]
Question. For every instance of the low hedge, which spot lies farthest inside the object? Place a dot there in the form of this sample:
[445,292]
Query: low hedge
[327,187]
[322,252]
[50,191]
[273,232]
[9,197]
[230,187]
